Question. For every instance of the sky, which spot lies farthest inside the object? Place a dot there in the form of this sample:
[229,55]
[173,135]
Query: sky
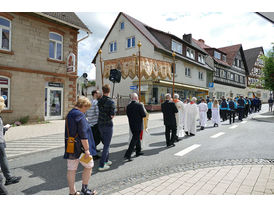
[218,29]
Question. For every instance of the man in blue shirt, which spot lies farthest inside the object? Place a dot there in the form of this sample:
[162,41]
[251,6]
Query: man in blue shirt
[241,106]
[223,109]
[231,110]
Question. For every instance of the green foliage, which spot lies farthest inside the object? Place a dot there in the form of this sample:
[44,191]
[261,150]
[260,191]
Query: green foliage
[24,120]
[268,70]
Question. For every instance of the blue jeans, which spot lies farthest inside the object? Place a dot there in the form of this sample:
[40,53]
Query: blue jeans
[4,162]
[106,135]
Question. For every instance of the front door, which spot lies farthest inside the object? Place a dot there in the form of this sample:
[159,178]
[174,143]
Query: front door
[53,103]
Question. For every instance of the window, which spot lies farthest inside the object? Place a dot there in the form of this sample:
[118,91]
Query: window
[236,77]
[217,55]
[224,58]
[232,76]
[217,73]
[176,47]
[5,34]
[122,25]
[201,58]
[240,63]
[113,46]
[187,72]
[130,42]
[5,90]
[190,53]
[201,75]
[55,46]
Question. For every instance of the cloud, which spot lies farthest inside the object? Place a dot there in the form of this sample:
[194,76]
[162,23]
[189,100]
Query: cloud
[216,28]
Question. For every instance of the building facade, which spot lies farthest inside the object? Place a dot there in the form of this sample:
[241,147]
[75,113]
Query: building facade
[119,50]
[38,64]
[255,65]
[230,77]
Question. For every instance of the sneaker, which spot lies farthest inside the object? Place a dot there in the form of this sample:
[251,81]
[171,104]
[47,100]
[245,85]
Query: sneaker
[88,192]
[13,180]
[106,167]
[108,163]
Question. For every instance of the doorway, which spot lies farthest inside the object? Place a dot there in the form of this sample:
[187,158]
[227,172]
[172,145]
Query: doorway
[53,103]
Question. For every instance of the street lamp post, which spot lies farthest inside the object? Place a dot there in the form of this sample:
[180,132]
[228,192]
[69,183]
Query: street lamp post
[102,78]
[139,68]
[173,86]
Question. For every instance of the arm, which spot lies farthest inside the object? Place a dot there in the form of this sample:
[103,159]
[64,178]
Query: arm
[175,108]
[82,133]
[142,111]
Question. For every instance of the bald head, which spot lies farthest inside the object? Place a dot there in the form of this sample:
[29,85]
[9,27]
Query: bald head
[134,97]
[168,96]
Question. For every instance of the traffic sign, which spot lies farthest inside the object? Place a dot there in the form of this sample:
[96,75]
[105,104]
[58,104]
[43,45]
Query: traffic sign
[211,85]
[133,87]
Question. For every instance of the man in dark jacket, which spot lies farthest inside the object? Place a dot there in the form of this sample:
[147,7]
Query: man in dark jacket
[241,106]
[169,109]
[106,114]
[135,114]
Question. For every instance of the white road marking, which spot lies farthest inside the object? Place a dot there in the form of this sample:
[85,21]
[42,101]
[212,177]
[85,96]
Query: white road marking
[243,122]
[234,126]
[217,135]
[187,150]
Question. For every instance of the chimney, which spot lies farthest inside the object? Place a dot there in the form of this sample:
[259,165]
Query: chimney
[201,40]
[188,38]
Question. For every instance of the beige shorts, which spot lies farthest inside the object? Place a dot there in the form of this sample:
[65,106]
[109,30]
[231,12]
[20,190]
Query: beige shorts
[73,164]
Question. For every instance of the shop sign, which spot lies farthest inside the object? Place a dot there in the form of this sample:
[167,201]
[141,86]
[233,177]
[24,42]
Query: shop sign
[53,84]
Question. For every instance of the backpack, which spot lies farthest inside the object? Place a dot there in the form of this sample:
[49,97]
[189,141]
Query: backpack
[231,105]
[241,102]
[224,104]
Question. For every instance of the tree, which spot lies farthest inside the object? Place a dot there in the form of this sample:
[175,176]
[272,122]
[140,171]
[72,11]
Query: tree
[268,70]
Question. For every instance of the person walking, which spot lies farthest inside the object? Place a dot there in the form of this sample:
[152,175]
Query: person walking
[209,111]
[169,110]
[3,157]
[106,114]
[246,109]
[3,190]
[92,115]
[179,117]
[216,113]
[78,134]
[231,110]
[270,103]
[203,111]
[135,113]
[223,109]
[192,114]
[241,106]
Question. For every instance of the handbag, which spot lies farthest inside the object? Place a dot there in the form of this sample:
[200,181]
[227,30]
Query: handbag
[74,144]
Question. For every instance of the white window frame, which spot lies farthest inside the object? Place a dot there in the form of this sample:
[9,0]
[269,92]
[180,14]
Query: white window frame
[191,53]
[188,72]
[201,75]
[201,58]
[122,22]
[113,42]
[8,87]
[55,49]
[7,28]
[130,42]
[176,46]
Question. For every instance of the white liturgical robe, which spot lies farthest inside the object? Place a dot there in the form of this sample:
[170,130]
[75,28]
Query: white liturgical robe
[191,117]
[203,116]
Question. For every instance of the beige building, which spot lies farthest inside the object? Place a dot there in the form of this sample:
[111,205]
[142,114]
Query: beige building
[38,64]
[192,70]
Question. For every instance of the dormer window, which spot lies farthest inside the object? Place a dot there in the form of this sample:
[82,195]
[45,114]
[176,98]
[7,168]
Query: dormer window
[217,55]
[190,53]
[176,47]
[201,58]
[224,58]
[122,25]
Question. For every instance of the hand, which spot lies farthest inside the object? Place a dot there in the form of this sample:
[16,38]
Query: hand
[7,126]
[87,154]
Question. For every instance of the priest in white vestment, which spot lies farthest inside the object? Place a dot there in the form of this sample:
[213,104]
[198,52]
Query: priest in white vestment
[203,113]
[192,115]
[179,116]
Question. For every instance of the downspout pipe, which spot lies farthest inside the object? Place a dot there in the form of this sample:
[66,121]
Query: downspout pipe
[88,33]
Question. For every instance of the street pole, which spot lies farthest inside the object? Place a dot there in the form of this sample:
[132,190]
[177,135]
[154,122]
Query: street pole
[173,55]
[102,78]
[139,69]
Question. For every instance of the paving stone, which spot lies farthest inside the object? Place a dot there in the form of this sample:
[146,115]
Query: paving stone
[257,193]
[245,189]
[259,188]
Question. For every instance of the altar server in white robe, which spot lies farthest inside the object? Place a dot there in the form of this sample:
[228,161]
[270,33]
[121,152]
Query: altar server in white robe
[203,113]
[179,116]
[192,115]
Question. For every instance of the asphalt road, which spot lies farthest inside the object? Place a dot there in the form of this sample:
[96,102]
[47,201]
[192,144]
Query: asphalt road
[45,172]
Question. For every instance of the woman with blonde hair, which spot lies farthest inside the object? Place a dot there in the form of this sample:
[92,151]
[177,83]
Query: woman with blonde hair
[216,113]
[78,132]
[3,157]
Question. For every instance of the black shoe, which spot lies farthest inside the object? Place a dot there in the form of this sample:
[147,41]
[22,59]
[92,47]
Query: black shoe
[172,145]
[96,157]
[192,134]
[98,150]
[202,128]
[128,158]
[139,154]
[88,192]
[13,180]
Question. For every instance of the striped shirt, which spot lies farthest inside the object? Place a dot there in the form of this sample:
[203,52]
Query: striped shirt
[93,113]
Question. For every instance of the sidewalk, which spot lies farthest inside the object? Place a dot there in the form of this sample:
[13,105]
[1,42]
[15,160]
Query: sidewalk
[58,127]
[224,180]
[264,117]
